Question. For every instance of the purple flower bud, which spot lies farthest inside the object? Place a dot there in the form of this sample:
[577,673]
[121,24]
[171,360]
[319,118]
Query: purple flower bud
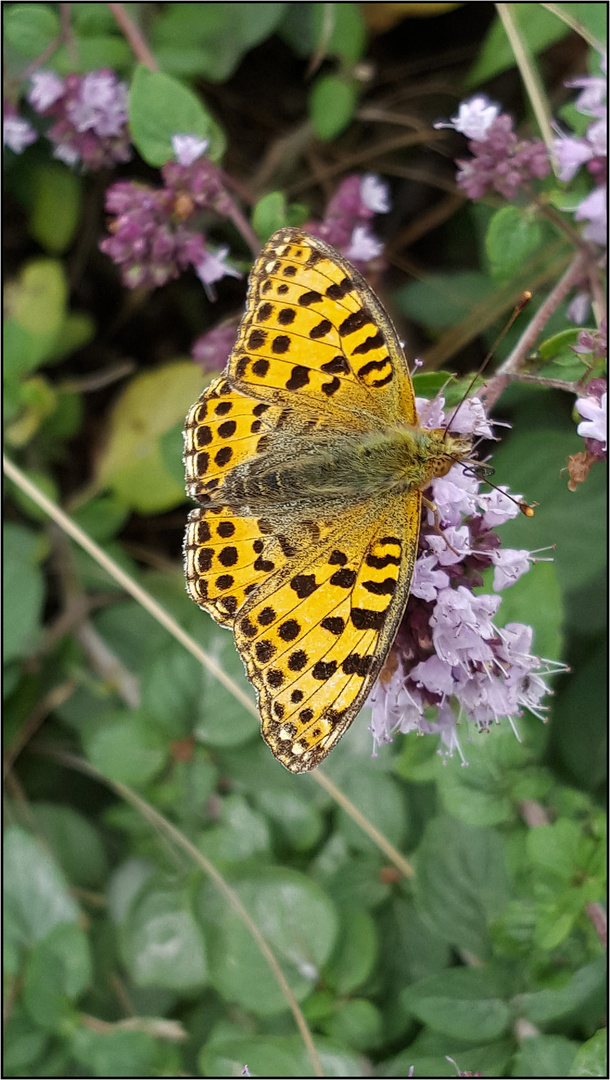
[449,656]
[211,350]
[91,116]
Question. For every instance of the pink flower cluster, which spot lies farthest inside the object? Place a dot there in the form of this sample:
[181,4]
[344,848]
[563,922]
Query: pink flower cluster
[154,234]
[450,661]
[572,152]
[346,223]
[500,160]
[90,114]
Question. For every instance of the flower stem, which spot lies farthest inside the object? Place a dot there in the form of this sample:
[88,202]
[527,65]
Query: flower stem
[514,361]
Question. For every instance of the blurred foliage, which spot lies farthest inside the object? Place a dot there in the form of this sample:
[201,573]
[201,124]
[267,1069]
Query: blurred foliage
[122,958]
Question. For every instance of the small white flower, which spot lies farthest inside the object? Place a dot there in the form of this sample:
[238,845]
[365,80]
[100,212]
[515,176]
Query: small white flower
[17,134]
[375,194]
[474,118]
[46,89]
[363,245]
[187,148]
[594,423]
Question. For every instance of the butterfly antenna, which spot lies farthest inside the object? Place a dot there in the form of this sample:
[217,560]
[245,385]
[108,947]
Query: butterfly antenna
[523,302]
[483,472]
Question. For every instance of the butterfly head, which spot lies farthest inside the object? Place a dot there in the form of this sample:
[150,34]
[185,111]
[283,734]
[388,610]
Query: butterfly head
[444,450]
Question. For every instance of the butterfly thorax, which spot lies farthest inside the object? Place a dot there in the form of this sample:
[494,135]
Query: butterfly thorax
[341,468]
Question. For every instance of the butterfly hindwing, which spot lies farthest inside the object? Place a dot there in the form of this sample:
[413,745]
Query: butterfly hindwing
[314,639]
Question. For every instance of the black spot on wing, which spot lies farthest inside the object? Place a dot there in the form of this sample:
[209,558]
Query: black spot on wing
[381,588]
[298,378]
[367,619]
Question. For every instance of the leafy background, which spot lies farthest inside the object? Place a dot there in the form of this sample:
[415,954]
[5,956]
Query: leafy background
[154,849]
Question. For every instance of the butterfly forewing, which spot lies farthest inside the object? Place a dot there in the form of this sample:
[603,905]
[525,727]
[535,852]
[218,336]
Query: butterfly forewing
[315,335]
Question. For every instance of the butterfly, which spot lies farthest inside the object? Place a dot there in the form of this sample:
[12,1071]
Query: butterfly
[309,462]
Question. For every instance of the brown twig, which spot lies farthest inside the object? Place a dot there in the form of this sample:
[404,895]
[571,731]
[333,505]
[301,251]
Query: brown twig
[511,365]
[55,697]
[134,36]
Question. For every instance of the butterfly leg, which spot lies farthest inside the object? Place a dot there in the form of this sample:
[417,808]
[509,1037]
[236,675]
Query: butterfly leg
[437,523]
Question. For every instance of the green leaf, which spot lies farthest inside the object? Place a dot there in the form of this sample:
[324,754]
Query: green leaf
[355,1023]
[461,883]
[544,1006]
[270,214]
[555,345]
[36,895]
[591,1058]
[31,28]
[171,689]
[24,1043]
[298,921]
[512,236]
[92,53]
[275,1055]
[545,1055]
[355,952]
[91,18]
[115,1052]
[538,28]
[536,599]
[443,299]
[574,521]
[580,717]
[332,104]
[20,357]
[131,463]
[101,517]
[559,848]
[222,721]
[480,793]
[410,950]
[126,883]
[74,842]
[211,39]
[297,820]
[493,1059]
[306,29]
[23,591]
[462,1003]
[159,107]
[37,302]
[381,799]
[46,484]
[125,747]
[57,972]
[56,205]
[241,835]
[162,943]
[171,447]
